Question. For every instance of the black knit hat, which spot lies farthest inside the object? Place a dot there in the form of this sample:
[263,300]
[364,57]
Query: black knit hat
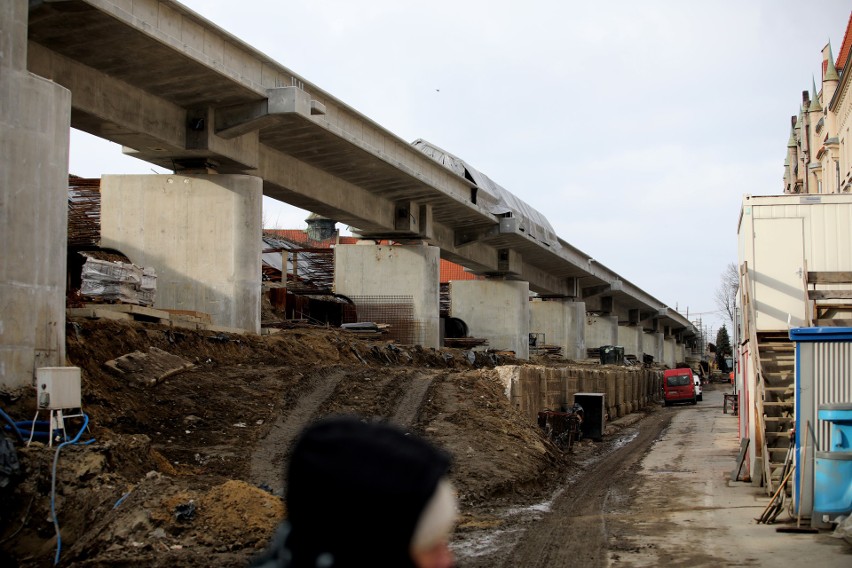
[355,492]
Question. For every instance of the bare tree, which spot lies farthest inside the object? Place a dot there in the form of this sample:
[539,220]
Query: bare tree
[726,293]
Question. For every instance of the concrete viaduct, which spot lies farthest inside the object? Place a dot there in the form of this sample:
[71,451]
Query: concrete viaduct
[178,91]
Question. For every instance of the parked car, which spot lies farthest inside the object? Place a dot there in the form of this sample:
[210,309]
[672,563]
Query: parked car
[699,392]
[678,386]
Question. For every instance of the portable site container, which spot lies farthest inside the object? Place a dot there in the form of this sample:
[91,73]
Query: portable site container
[780,239]
[823,381]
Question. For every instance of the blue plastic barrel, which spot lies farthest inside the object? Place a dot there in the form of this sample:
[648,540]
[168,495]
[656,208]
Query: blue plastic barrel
[832,484]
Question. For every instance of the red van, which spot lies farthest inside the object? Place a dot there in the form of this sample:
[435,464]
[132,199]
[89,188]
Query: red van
[678,386]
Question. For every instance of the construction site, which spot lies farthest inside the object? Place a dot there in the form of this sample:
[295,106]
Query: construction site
[191,435]
[161,350]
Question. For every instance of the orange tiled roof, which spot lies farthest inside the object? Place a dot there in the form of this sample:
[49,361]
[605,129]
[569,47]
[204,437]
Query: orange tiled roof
[453,271]
[301,237]
[449,270]
[845,47]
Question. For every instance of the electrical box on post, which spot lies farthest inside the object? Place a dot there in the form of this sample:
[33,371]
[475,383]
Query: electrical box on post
[58,387]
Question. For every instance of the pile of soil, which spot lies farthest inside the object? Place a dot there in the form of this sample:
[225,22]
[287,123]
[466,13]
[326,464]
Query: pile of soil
[189,471]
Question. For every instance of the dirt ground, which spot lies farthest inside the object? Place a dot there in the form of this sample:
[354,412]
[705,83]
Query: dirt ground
[189,471]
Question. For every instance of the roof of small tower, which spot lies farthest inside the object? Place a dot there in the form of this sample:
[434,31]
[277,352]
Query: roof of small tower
[829,72]
[814,106]
[791,143]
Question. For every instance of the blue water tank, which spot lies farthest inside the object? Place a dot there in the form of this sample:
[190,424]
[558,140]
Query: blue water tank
[833,469]
[832,484]
[840,417]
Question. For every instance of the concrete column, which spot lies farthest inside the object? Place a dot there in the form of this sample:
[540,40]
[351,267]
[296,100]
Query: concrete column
[563,323]
[394,270]
[497,310]
[601,330]
[35,117]
[652,344]
[202,235]
[649,345]
[669,352]
[630,337]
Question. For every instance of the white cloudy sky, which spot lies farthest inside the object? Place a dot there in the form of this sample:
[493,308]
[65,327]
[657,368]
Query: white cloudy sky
[635,127]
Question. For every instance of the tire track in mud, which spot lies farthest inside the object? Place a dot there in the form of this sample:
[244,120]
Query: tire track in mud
[408,407]
[267,460]
[574,532]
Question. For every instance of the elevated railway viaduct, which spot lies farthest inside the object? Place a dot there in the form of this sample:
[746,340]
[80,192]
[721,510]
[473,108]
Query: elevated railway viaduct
[232,124]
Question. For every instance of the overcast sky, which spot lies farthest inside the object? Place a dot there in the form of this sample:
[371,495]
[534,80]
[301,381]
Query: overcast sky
[635,127]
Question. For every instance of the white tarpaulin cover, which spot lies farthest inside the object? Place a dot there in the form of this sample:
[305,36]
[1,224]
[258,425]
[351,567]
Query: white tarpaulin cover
[496,199]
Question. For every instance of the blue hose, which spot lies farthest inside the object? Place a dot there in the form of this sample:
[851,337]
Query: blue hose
[13,427]
[25,429]
[53,484]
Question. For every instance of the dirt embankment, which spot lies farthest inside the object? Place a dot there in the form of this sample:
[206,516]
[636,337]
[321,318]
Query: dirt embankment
[189,471]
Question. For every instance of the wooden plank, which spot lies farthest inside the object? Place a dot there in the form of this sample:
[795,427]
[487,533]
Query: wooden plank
[112,315]
[776,348]
[202,317]
[735,474]
[830,294]
[829,322]
[829,277]
[142,311]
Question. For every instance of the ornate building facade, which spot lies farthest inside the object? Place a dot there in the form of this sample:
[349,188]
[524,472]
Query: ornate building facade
[819,150]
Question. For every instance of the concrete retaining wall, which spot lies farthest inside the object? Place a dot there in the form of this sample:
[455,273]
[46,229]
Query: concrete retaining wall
[533,388]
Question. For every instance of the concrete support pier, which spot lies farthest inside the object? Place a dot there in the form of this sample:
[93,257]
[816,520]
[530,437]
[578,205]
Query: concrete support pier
[374,271]
[497,310]
[35,117]
[563,323]
[601,330]
[630,337]
[652,344]
[201,233]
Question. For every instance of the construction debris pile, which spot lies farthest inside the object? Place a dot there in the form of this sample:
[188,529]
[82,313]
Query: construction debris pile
[562,427]
[104,280]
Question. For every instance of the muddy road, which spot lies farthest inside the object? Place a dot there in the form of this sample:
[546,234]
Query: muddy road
[569,528]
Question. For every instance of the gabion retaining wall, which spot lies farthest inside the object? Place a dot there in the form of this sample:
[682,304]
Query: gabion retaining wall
[531,388]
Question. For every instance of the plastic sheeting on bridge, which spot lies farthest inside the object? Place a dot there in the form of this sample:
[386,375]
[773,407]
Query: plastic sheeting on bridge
[497,199]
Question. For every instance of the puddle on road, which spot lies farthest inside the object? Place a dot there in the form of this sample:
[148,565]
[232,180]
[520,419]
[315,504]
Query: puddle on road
[493,541]
[543,507]
[487,543]
[625,439]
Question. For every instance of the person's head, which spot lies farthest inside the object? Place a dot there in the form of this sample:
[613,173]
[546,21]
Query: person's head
[368,494]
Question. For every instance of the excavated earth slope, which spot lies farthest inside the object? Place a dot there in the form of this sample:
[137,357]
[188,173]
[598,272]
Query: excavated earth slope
[187,468]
